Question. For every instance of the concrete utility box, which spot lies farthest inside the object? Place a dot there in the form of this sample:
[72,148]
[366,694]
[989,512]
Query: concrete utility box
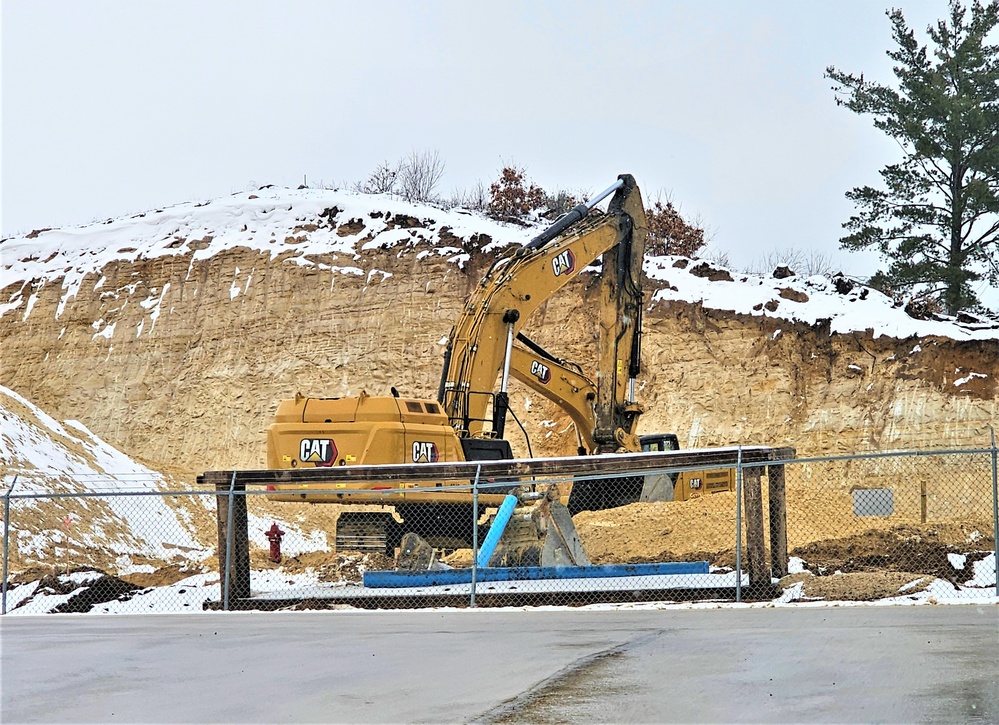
[873,502]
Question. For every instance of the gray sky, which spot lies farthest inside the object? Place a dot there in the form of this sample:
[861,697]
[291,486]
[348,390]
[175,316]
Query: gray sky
[111,108]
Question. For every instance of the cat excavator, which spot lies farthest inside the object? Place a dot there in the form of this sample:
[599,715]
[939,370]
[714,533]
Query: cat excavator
[468,419]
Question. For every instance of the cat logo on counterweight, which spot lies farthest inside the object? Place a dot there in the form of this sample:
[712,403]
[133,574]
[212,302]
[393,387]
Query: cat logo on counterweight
[320,451]
[424,452]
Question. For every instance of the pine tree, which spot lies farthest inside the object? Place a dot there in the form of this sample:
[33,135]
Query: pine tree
[935,222]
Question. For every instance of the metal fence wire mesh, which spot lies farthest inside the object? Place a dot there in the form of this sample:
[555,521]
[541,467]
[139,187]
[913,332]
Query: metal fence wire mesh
[868,528]
[902,526]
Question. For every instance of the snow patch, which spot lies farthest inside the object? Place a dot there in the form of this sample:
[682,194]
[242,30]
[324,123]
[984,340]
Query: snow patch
[968,378]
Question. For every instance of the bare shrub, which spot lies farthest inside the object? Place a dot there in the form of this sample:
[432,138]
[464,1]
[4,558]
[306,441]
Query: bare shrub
[418,176]
[719,257]
[381,181]
[474,199]
[802,262]
[921,305]
[561,201]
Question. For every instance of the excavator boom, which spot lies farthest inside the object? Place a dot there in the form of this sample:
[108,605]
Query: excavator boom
[481,344]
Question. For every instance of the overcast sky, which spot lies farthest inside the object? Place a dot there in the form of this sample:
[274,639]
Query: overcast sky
[111,108]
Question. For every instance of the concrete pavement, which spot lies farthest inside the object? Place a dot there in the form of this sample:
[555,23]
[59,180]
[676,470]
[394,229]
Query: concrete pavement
[831,664]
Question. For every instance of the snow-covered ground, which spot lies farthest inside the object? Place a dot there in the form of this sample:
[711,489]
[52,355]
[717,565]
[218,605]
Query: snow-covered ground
[802,299]
[262,220]
[190,593]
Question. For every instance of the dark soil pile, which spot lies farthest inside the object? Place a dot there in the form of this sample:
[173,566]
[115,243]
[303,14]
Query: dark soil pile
[921,549]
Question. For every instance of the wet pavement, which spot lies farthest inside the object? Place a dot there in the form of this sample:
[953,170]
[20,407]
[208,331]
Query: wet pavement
[796,664]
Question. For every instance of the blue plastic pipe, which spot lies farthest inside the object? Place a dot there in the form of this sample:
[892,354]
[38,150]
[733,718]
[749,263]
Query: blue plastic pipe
[496,531]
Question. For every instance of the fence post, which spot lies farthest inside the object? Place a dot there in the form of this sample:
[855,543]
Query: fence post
[6,541]
[738,527]
[777,490]
[475,531]
[228,543]
[995,506]
[752,490]
[234,551]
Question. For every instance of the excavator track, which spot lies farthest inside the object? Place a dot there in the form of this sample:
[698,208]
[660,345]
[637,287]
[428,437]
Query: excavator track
[372,532]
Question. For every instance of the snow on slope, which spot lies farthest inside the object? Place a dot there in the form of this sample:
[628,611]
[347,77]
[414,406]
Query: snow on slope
[275,221]
[44,458]
[117,523]
[802,299]
[298,225]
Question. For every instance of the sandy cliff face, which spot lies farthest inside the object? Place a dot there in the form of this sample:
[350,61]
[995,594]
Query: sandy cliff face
[180,360]
[729,379]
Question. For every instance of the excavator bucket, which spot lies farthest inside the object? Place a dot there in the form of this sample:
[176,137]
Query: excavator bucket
[415,554]
[540,532]
[657,487]
[537,530]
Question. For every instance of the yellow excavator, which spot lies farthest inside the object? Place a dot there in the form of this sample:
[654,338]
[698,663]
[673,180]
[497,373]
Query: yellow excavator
[467,420]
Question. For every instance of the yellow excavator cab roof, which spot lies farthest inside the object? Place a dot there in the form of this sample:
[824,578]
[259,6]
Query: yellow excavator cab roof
[365,408]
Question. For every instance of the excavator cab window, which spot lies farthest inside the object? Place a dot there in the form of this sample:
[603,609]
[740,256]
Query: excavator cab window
[659,442]
[486,449]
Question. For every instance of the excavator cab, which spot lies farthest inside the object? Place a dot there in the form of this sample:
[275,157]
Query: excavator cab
[655,442]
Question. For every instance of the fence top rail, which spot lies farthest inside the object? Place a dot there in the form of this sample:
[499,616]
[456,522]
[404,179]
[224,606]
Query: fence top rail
[567,466]
[893,454]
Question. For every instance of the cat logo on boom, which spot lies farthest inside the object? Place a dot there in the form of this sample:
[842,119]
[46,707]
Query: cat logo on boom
[564,263]
[321,451]
[541,372]
[424,452]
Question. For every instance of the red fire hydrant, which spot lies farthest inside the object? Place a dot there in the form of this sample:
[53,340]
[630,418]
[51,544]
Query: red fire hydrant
[274,535]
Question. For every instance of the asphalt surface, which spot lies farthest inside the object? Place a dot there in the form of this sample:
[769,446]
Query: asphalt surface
[847,664]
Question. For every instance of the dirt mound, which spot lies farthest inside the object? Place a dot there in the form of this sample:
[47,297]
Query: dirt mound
[858,586]
[164,576]
[906,548]
[347,567]
[697,530]
[97,588]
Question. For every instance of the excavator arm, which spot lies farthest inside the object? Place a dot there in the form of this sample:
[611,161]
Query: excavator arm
[481,344]
[562,383]
[621,304]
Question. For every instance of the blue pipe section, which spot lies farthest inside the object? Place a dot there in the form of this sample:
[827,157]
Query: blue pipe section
[448,577]
[496,531]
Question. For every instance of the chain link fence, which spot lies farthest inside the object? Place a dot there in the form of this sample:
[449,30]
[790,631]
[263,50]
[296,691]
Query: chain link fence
[908,526]
[914,525]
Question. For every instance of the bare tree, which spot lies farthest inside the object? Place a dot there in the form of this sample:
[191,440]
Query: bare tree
[720,257]
[803,262]
[380,181]
[474,199]
[419,174]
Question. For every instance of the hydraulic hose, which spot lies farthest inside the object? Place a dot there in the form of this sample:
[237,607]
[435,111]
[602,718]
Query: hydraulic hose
[574,215]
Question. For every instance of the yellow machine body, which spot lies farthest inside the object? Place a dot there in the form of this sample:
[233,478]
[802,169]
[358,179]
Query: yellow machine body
[366,430]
